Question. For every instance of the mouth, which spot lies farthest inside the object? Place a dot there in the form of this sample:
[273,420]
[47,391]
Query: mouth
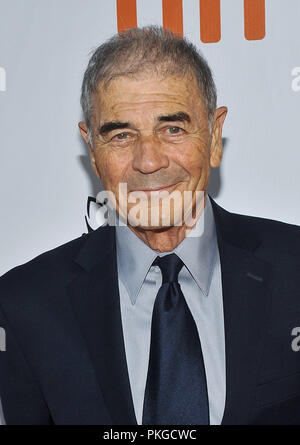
[156,189]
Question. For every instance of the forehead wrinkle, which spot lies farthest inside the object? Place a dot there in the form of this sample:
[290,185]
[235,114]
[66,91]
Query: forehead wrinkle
[113,106]
[160,107]
[135,96]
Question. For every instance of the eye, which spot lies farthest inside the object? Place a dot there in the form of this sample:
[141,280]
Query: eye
[121,136]
[175,130]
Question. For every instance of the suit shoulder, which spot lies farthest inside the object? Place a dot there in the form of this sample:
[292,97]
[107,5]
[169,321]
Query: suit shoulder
[276,236]
[54,266]
[268,226]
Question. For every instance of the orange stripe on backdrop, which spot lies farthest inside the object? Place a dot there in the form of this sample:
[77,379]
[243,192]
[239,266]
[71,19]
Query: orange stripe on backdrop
[210,21]
[254,19]
[172,16]
[126,14]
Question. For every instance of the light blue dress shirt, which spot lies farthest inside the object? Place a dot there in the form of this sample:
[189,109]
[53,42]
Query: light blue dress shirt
[200,280]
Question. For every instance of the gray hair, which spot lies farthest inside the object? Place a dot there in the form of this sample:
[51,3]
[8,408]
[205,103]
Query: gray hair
[149,49]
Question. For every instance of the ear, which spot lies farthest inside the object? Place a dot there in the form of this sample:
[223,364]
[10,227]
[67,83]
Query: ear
[84,133]
[216,146]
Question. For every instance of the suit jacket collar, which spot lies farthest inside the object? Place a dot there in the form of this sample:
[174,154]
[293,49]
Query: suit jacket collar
[246,297]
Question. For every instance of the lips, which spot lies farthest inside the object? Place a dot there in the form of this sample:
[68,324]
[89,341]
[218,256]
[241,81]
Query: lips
[163,187]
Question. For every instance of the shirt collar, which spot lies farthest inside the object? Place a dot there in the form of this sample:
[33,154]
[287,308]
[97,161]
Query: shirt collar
[197,251]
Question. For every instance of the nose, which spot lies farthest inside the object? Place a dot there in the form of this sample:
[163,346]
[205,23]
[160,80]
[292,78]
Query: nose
[149,155]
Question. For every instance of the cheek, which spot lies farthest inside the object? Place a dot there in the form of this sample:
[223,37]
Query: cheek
[193,156]
[196,161]
[112,166]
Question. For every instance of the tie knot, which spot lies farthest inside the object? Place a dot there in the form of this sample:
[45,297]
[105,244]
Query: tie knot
[170,266]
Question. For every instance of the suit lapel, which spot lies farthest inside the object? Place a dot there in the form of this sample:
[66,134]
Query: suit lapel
[246,281]
[95,300]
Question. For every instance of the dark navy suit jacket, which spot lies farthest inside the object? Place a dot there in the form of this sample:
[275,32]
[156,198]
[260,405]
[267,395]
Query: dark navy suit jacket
[65,360]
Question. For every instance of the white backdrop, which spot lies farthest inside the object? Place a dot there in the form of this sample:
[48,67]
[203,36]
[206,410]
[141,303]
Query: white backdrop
[44,166]
[45,173]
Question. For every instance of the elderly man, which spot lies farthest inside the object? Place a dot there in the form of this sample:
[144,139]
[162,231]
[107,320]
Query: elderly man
[179,313]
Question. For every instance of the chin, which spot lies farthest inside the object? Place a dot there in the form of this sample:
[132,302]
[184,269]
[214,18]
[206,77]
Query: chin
[159,229]
[162,225]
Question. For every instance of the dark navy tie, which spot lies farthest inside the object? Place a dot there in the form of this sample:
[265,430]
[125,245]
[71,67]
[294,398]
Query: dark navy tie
[176,391]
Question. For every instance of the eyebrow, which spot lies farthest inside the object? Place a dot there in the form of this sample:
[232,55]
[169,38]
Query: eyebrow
[180,117]
[110,126]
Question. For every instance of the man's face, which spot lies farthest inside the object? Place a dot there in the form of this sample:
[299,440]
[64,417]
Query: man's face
[153,133]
